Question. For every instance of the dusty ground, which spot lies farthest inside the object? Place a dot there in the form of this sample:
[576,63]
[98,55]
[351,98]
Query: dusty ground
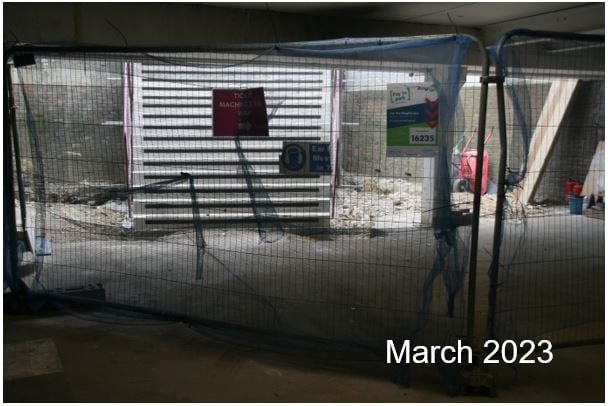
[348,287]
[396,202]
[363,203]
[339,286]
[362,287]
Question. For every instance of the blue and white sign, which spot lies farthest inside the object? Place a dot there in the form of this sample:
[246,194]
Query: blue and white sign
[293,157]
[319,161]
[302,158]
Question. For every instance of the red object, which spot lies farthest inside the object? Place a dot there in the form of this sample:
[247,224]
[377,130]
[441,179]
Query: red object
[569,184]
[239,112]
[468,165]
[573,188]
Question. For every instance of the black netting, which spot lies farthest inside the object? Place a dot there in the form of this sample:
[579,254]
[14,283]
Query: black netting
[129,189]
[549,278]
[128,198]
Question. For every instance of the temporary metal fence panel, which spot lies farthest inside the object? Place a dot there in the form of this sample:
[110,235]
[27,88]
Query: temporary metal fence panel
[547,275]
[234,242]
[126,199]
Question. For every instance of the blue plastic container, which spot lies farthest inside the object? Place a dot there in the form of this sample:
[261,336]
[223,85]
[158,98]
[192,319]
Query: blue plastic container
[576,204]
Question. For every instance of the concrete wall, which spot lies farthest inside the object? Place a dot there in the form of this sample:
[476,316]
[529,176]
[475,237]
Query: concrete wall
[577,138]
[576,143]
[145,24]
[364,140]
[72,117]
[469,100]
[77,111]
[75,117]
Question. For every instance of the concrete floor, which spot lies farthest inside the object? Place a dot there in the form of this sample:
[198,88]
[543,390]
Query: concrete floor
[103,363]
[344,287]
[172,363]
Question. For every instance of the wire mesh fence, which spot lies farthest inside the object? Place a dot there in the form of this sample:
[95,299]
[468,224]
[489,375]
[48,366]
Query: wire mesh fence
[321,191]
[547,279]
[133,195]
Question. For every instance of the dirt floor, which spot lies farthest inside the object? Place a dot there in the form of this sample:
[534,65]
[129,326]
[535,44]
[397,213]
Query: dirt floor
[362,203]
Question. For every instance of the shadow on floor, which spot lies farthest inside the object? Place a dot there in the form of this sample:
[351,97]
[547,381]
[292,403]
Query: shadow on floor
[172,363]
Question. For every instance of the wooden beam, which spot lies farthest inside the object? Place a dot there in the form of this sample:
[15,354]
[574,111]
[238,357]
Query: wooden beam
[594,181]
[543,140]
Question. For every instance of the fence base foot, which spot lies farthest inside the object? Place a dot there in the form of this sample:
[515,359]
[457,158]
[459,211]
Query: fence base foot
[478,381]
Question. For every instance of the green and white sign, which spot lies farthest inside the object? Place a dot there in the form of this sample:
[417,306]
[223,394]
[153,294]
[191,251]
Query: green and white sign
[412,120]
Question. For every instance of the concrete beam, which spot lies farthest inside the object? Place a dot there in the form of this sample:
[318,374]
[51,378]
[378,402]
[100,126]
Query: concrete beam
[585,18]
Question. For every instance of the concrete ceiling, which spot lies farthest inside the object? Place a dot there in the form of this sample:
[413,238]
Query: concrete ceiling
[490,19]
[222,23]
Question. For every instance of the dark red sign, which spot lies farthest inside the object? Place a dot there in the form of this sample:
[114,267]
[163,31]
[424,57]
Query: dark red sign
[432,111]
[239,112]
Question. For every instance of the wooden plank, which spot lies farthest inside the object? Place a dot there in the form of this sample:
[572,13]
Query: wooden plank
[235,200]
[171,112]
[594,181]
[336,132]
[205,135]
[204,93]
[543,140]
[223,159]
[594,214]
[274,123]
[127,121]
[223,216]
[203,99]
[240,70]
[188,147]
[137,118]
[241,78]
[137,125]
[177,85]
[183,138]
